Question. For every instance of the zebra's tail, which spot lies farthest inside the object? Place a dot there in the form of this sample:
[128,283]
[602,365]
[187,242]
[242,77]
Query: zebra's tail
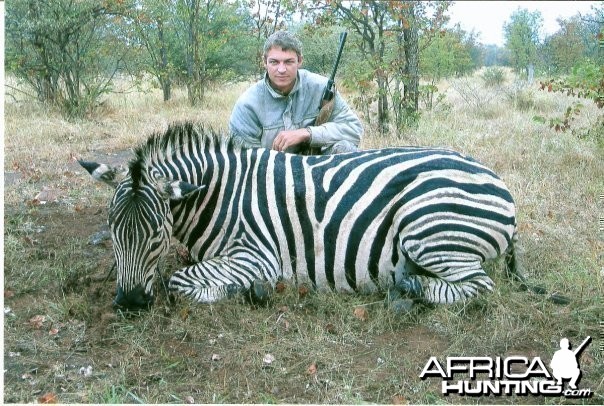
[512,267]
[513,272]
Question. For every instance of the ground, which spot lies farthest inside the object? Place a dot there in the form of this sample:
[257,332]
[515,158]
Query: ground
[63,339]
[64,342]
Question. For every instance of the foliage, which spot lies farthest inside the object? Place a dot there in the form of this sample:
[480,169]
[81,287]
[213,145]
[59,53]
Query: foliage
[206,27]
[522,38]
[264,17]
[68,52]
[387,36]
[152,29]
[563,49]
[493,76]
[493,55]
[586,81]
[448,55]
[320,48]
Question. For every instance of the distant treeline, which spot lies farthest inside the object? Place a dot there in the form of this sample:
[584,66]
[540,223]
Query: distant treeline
[69,52]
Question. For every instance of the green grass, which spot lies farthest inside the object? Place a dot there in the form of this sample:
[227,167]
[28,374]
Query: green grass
[165,355]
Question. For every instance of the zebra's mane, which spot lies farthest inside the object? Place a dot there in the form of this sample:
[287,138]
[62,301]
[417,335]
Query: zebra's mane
[159,146]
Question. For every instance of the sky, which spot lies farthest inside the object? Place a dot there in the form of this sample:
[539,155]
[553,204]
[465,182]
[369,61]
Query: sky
[488,17]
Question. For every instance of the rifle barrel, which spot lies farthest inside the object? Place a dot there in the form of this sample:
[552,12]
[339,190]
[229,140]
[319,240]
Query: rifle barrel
[582,345]
[328,92]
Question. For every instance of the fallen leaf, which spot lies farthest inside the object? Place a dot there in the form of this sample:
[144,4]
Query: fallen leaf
[586,359]
[53,331]
[48,398]
[37,321]
[330,328]
[283,309]
[399,400]
[361,313]
[8,294]
[302,291]
[286,325]
[280,287]
[184,314]
[312,369]
[47,195]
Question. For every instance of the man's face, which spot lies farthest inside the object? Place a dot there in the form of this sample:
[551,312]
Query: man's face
[282,67]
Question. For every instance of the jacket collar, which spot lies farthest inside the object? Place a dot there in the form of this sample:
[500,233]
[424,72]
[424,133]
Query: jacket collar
[277,94]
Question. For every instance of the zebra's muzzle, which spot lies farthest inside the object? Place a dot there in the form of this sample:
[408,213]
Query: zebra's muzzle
[135,299]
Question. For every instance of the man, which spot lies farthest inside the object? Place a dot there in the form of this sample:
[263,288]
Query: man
[564,364]
[279,111]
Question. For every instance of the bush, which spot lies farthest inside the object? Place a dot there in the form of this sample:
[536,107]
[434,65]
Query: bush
[522,99]
[493,76]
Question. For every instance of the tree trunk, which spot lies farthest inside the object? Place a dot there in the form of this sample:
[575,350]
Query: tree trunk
[411,45]
[383,116]
[164,76]
[194,86]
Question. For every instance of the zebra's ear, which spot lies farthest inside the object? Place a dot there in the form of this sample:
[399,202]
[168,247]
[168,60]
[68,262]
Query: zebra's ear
[175,189]
[111,175]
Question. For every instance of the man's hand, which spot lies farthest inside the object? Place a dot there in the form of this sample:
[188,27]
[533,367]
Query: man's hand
[290,138]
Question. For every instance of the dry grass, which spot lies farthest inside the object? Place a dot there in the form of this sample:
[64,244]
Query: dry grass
[166,355]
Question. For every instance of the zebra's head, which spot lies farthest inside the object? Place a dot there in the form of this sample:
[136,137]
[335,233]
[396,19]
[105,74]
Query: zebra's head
[140,221]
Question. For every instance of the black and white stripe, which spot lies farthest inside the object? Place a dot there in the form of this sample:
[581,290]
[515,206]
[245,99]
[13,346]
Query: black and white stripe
[421,219]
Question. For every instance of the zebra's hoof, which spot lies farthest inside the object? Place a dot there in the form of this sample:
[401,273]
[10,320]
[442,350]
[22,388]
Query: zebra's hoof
[260,292]
[402,306]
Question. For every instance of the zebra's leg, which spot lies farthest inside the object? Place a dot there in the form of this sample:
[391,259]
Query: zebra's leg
[439,280]
[222,277]
[513,271]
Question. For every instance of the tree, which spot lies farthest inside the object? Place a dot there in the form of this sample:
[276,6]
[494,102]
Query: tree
[154,30]
[387,36]
[267,17]
[563,49]
[208,26]
[522,39]
[451,53]
[66,50]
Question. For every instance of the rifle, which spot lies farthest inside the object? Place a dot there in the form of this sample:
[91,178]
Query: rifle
[582,346]
[325,108]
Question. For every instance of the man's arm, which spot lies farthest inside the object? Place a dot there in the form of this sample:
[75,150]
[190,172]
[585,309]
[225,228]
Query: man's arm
[244,126]
[344,124]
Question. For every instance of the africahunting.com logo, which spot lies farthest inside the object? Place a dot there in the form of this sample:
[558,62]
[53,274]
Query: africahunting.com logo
[515,375]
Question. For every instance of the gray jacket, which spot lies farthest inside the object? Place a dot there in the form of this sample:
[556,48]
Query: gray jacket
[261,113]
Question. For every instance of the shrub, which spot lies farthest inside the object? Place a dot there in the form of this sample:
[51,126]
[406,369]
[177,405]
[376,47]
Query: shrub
[493,76]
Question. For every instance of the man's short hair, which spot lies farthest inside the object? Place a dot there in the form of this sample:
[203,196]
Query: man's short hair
[285,40]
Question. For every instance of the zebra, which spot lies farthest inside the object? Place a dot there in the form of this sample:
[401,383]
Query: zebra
[415,219]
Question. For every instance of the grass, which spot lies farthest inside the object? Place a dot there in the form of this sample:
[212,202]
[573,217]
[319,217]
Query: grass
[180,352]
